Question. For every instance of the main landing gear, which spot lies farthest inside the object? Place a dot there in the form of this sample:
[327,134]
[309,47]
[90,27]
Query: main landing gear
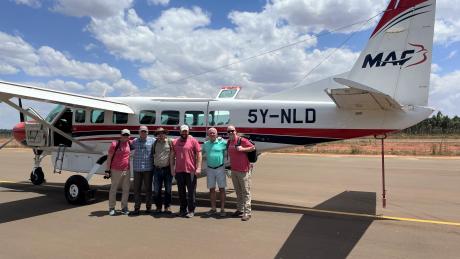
[77,189]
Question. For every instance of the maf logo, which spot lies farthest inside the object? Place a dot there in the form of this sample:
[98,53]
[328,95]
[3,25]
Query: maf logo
[392,58]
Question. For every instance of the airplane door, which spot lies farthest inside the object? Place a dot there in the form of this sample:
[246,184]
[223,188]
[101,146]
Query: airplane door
[64,123]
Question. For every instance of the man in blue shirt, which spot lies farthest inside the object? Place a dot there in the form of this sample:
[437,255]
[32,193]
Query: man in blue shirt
[215,148]
[143,170]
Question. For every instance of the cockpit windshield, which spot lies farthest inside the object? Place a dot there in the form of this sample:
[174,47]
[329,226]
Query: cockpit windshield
[54,113]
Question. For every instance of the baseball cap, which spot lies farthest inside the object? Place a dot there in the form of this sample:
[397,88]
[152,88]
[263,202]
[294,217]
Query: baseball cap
[143,128]
[184,127]
[125,131]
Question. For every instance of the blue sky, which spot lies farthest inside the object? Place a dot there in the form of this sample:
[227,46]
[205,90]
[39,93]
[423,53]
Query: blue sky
[137,47]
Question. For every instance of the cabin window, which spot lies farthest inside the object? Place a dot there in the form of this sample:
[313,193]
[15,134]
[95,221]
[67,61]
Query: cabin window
[97,116]
[170,117]
[147,117]
[119,118]
[194,118]
[80,116]
[216,118]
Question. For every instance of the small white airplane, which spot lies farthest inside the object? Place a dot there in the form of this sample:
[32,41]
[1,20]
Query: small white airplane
[385,91]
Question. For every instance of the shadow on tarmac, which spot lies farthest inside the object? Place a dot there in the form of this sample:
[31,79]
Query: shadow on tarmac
[316,235]
[332,236]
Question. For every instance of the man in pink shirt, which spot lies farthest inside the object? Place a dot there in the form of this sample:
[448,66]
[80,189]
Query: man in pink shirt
[241,172]
[118,170]
[185,167]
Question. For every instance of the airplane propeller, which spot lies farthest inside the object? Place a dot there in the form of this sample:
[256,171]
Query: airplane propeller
[21,115]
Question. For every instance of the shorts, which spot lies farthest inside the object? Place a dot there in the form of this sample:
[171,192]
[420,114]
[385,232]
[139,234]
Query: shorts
[216,175]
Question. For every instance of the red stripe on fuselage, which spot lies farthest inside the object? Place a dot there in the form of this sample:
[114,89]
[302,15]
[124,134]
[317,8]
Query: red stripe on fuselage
[391,12]
[297,132]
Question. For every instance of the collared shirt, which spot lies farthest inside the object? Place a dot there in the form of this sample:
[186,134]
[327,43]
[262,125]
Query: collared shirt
[215,152]
[142,160]
[186,152]
[120,155]
[162,152]
[239,160]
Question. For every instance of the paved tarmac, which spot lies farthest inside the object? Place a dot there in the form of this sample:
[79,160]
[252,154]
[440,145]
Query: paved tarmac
[304,206]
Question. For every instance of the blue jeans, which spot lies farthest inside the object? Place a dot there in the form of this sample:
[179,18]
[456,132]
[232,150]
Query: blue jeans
[162,176]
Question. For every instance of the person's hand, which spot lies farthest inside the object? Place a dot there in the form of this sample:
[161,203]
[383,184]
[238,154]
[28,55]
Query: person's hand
[198,171]
[239,148]
[173,173]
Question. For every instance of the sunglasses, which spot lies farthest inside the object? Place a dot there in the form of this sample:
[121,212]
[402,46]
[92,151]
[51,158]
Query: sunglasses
[230,131]
[125,135]
[143,131]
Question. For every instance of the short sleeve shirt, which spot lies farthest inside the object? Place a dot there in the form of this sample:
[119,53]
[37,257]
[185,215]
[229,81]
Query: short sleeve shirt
[186,152]
[120,157]
[215,152]
[239,160]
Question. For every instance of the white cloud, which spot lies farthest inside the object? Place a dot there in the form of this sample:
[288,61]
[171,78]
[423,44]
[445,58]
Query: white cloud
[31,3]
[8,69]
[91,8]
[447,27]
[16,54]
[54,63]
[158,2]
[445,92]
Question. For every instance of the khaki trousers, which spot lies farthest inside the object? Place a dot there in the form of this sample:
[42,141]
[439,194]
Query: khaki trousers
[242,184]
[119,178]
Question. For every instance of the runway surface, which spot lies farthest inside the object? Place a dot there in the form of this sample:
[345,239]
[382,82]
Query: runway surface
[304,206]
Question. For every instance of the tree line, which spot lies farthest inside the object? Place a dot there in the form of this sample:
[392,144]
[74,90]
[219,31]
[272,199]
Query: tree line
[438,124]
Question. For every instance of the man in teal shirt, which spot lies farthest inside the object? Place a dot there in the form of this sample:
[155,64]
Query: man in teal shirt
[215,148]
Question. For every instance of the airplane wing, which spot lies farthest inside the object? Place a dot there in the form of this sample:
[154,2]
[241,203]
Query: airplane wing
[361,97]
[9,90]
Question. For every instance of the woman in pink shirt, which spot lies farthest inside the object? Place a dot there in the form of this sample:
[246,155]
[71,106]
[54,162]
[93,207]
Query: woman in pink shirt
[241,172]
[118,169]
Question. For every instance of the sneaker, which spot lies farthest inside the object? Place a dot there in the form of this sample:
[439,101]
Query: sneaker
[190,215]
[125,211]
[237,214]
[223,214]
[167,210]
[112,212]
[211,212]
[135,212]
[246,217]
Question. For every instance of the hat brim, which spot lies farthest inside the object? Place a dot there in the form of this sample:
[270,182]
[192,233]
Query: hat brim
[161,131]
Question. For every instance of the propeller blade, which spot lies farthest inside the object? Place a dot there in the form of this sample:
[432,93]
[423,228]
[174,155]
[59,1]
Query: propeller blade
[6,143]
[21,115]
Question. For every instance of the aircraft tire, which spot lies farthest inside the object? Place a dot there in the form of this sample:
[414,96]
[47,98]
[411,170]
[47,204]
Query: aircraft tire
[76,189]
[36,176]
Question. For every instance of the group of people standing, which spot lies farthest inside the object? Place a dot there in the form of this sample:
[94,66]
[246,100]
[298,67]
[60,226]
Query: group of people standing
[160,158]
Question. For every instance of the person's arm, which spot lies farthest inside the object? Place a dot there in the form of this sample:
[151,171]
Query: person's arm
[199,159]
[245,146]
[172,161]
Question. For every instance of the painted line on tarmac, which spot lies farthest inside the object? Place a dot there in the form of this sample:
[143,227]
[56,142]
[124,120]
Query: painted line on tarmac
[332,212]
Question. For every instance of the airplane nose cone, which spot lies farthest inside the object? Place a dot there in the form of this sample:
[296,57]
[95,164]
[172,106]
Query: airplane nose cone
[19,133]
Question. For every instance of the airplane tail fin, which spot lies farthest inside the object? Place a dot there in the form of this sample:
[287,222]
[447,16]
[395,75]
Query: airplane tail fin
[397,58]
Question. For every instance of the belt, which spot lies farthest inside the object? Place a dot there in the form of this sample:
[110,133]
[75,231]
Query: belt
[216,166]
[157,167]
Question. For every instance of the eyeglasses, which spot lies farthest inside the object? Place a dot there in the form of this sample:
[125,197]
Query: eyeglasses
[230,131]
[125,135]
[143,131]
